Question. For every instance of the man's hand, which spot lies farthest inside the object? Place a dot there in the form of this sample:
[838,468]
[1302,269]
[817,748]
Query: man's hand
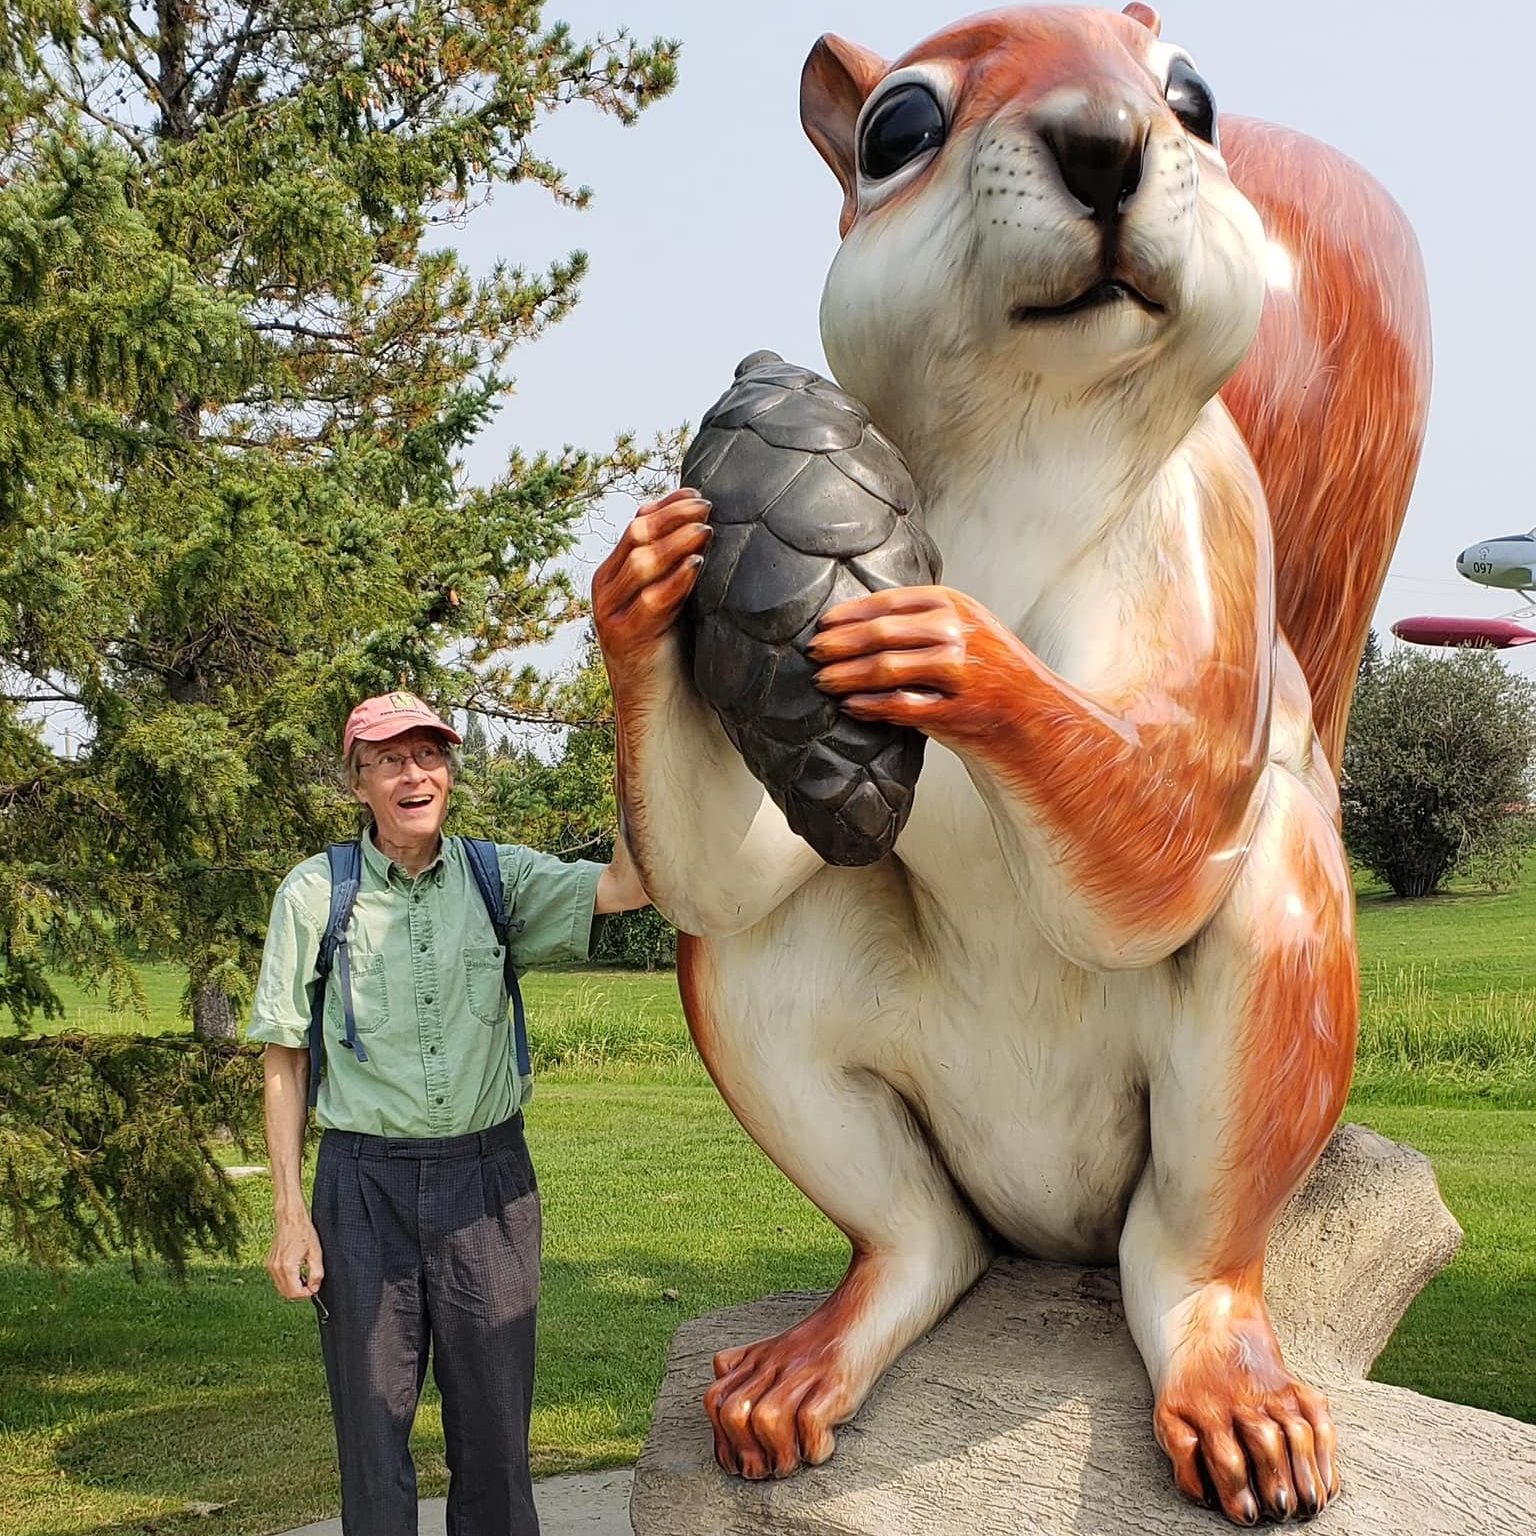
[294,1261]
[619,887]
[638,591]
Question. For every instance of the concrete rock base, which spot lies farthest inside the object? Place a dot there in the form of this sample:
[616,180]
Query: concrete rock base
[1028,1409]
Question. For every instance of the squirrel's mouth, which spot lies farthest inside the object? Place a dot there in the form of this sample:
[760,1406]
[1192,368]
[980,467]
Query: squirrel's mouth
[1105,292]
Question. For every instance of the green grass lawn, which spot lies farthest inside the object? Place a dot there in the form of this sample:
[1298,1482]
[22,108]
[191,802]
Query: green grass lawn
[90,1011]
[1448,999]
[123,1404]
[1471,1336]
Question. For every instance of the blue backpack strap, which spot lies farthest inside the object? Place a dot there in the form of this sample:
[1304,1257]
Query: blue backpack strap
[346,865]
[486,868]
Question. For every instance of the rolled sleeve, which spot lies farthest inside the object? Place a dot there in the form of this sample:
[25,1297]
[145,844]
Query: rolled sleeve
[552,905]
[285,987]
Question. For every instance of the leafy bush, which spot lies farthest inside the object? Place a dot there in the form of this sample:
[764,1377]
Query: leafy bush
[1438,769]
[638,941]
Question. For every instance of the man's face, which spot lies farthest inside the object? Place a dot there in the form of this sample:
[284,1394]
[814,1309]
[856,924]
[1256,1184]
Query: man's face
[408,797]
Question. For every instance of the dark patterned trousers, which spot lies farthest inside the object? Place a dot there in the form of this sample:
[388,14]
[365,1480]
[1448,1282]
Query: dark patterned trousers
[430,1245]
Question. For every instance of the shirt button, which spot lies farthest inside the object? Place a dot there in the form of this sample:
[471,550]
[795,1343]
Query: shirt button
[439,1098]
[424,947]
[428,1001]
[431,1050]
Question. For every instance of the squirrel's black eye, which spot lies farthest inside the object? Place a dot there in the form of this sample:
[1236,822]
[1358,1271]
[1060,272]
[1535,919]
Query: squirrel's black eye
[1192,101]
[906,124]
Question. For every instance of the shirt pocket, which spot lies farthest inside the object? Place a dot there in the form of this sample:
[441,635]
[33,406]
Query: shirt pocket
[370,995]
[483,982]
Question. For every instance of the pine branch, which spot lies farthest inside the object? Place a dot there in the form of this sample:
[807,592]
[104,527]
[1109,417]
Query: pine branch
[120,46]
[12,795]
[217,102]
[106,1146]
[54,690]
[536,717]
[292,328]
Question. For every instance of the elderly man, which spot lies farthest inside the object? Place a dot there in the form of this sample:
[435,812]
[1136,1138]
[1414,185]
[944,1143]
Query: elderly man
[426,1226]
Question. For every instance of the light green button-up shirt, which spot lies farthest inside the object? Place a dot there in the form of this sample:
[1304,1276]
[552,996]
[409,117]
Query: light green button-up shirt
[427,990]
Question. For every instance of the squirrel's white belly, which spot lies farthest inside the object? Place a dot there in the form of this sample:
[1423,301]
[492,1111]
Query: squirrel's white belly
[1023,1067]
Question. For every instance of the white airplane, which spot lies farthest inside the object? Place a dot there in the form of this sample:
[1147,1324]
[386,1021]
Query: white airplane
[1507,562]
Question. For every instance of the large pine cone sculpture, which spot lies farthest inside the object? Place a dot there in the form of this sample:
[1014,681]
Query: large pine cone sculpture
[812,506]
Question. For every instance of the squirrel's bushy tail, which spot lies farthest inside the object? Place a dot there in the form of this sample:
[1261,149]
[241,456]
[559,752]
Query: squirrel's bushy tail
[1333,396]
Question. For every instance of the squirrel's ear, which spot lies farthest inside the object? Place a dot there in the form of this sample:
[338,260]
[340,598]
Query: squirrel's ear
[834,85]
[1146,16]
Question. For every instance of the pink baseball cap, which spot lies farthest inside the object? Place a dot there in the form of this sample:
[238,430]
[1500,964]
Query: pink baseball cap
[391,714]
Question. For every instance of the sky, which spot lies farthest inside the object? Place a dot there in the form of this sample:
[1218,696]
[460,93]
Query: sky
[713,223]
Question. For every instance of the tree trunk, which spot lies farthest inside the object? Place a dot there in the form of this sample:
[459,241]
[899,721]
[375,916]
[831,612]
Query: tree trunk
[175,101]
[1421,873]
[213,1013]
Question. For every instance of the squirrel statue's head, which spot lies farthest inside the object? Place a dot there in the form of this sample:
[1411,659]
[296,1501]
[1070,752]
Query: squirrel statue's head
[1035,212]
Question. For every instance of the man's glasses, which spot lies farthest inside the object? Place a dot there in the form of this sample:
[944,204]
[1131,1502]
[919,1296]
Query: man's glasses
[426,754]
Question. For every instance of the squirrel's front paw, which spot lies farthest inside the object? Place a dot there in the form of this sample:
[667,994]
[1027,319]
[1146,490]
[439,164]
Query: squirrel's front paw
[928,657]
[639,590]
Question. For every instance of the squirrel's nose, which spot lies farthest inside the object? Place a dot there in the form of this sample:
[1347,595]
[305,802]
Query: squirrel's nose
[1098,147]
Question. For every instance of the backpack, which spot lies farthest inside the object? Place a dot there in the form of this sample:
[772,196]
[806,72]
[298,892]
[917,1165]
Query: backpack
[346,862]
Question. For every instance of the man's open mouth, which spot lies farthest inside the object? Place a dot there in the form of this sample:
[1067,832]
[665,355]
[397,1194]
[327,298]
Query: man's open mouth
[1104,292]
[415,802]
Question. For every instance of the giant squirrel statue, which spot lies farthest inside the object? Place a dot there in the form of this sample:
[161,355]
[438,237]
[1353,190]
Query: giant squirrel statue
[1161,383]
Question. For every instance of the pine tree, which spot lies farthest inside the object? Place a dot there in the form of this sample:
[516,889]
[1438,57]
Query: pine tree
[240,368]
[477,744]
[1370,656]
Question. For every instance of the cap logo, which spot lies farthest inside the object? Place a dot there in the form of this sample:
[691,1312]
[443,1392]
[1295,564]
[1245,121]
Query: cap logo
[403,702]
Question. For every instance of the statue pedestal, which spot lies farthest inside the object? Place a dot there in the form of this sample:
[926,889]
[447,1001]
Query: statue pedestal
[1028,1409]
